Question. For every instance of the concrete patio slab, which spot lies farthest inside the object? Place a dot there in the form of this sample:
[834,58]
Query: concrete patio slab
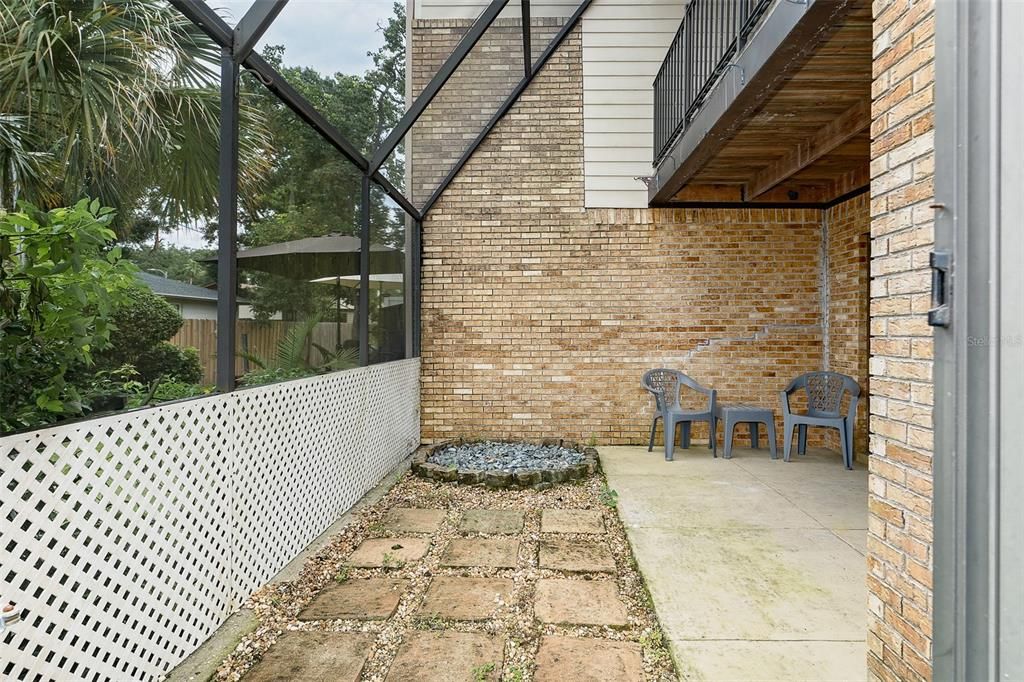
[356,598]
[486,552]
[818,486]
[579,602]
[410,520]
[583,556]
[388,552]
[465,598]
[733,661]
[736,502]
[779,584]
[696,461]
[858,539]
[745,554]
[588,660]
[587,521]
[492,521]
[447,657]
[313,656]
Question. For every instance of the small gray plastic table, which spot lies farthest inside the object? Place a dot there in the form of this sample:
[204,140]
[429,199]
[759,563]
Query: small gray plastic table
[732,414]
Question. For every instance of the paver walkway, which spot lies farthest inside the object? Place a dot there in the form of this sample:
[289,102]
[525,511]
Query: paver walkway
[757,567]
[440,583]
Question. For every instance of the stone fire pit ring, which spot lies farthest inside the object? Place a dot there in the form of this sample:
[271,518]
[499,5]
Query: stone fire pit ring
[502,477]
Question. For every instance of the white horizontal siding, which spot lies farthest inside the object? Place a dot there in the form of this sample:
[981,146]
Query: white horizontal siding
[624,43]
[627,155]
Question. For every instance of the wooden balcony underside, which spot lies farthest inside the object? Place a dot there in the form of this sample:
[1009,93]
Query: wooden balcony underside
[796,135]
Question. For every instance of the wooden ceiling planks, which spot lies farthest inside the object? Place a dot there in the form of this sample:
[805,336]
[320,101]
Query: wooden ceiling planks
[808,141]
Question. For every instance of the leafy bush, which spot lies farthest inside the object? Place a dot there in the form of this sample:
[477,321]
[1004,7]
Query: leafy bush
[167,361]
[168,390]
[58,293]
[142,322]
[271,376]
[291,360]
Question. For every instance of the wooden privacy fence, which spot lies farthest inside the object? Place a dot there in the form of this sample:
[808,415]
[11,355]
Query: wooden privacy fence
[257,336]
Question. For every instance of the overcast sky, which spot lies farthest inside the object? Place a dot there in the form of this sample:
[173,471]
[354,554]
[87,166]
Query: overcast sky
[328,35]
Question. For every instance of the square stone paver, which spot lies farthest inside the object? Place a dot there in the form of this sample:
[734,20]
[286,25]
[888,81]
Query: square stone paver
[466,598]
[588,660]
[362,599]
[580,602]
[410,520]
[488,552]
[585,556]
[571,521]
[393,552]
[313,656]
[492,521]
[447,657]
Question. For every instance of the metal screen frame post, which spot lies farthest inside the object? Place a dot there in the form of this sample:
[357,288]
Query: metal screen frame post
[527,61]
[971,151]
[227,226]
[254,24]
[416,270]
[364,274]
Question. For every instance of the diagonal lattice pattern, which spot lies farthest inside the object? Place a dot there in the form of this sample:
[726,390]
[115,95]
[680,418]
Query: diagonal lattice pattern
[129,539]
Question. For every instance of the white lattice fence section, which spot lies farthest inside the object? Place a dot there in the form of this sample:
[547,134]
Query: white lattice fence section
[128,540]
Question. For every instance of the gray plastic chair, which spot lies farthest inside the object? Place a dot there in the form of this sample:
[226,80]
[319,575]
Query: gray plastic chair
[665,385]
[824,399]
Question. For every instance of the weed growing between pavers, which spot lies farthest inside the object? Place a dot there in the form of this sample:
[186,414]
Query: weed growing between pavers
[514,620]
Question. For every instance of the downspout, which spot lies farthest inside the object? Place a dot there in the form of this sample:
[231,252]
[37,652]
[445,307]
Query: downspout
[825,295]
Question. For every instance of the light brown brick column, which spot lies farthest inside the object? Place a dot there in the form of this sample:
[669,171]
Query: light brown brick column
[902,169]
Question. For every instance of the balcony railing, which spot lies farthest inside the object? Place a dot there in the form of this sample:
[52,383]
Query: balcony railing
[711,34]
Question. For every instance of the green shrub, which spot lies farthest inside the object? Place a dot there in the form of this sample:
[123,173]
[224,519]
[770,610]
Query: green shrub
[292,358]
[173,364]
[59,288]
[168,390]
[272,376]
[142,322]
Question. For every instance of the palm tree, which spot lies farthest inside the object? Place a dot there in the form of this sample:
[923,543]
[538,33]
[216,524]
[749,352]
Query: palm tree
[116,99]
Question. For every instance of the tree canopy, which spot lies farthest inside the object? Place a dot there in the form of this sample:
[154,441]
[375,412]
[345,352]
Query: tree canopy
[117,100]
[310,189]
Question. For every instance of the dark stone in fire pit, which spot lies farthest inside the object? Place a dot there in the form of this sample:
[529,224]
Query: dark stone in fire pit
[498,479]
[558,475]
[471,476]
[577,471]
[528,477]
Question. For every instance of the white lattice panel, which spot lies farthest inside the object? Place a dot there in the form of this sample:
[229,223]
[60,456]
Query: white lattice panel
[128,540]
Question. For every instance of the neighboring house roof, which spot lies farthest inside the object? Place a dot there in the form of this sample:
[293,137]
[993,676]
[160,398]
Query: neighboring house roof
[172,288]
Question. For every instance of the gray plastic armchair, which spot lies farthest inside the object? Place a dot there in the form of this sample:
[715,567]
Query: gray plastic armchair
[824,400]
[665,385]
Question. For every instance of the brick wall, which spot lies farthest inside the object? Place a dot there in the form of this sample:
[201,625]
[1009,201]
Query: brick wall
[900,524]
[539,316]
[847,230]
[467,101]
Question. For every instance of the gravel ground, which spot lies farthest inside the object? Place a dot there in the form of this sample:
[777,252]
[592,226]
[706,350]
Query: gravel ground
[278,604]
[494,456]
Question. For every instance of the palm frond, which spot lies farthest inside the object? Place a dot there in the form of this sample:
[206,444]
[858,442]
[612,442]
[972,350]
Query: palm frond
[23,167]
[126,95]
[255,359]
[344,358]
[292,349]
